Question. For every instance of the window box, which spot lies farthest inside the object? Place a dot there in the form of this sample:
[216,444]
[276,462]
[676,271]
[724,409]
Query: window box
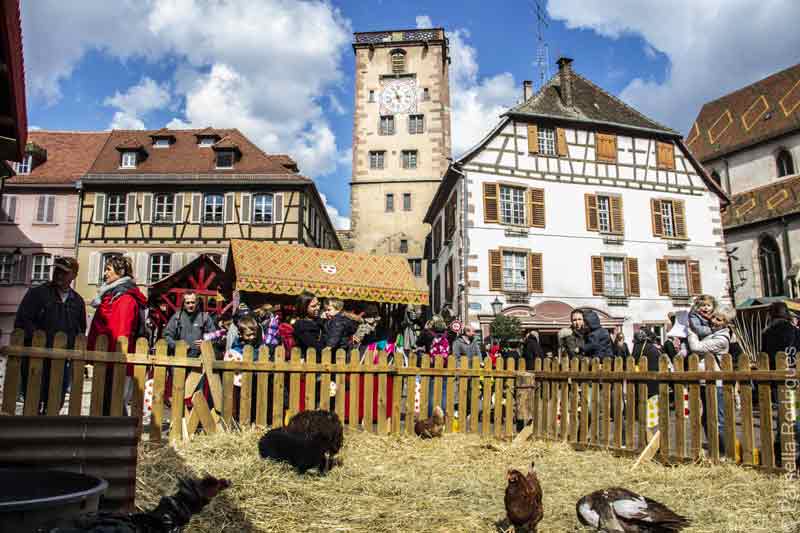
[617,300]
[676,245]
[517,297]
[609,238]
[515,231]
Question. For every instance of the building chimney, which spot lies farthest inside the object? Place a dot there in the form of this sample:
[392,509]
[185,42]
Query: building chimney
[527,90]
[565,80]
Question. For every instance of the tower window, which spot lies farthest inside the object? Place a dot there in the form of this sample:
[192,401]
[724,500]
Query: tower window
[376,159]
[387,125]
[389,202]
[403,246]
[416,124]
[769,257]
[406,201]
[785,163]
[398,62]
[371,95]
[409,158]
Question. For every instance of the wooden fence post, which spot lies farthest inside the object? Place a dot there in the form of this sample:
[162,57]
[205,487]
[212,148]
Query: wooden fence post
[642,407]
[310,377]
[262,378]
[383,367]
[475,384]
[411,383]
[178,394]
[139,376]
[712,421]
[353,376]
[746,393]
[341,378]
[246,390]
[630,406]
[35,364]
[786,425]
[508,386]
[159,378]
[325,382]
[585,403]
[498,399]
[605,427]
[118,374]
[397,393]
[729,409]
[278,387]
[450,399]
[565,406]
[369,387]
[295,366]
[538,397]
[463,394]
[680,414]
[98,378]
[695,420]
[765,415]
[76,389]
[54,396]
[12,382]
[663,409]
[597,402]
[619,423]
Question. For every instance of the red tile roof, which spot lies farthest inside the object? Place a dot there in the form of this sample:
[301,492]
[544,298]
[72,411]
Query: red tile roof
[184,156]
[753,114]
[11,49]
[69,156]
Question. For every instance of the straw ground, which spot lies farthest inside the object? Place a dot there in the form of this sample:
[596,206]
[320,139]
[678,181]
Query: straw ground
[452,484]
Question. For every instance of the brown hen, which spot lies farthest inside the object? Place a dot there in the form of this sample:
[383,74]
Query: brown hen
[524,500]
[431,427]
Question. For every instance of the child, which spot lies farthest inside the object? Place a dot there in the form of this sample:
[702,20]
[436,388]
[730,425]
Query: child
[700,315]
[340,327]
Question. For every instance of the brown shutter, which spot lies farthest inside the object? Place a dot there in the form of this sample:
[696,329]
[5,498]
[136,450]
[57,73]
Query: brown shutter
[617,218]
[535,281]
[666,156]
[561,142]
[694,282]
[597,275]
[679,210]
[606,147]
[663,277]
[657,220]
[537,217]
[591,211]
[632,276]
[495,270]
[533,139]
[490,203]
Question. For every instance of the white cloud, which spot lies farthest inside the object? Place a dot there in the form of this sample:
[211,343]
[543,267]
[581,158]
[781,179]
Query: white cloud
[649,51]
[476,103]
[138,100]
[263,67]
[339,221]
[424,21]
[714,46]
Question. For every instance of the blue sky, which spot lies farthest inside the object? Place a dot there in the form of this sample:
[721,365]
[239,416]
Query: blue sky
[282,71]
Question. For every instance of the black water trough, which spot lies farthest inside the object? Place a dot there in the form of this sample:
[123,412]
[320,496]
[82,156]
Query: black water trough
[30,499]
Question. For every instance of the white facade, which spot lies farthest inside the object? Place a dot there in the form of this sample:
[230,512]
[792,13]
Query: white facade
[565,244]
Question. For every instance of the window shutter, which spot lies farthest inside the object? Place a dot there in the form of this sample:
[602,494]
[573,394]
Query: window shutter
[9,208]
[663,277]
[40,208]
[632,275]
[177,262]
[94,268]
[147,208]
[21,270]
[51,208]
[617,218]
[141,261]
[490,203]
[130,208]
[277,208]
[658,222]
[679,210]
[178,213]
[694,282]
[99,208]
[245,208]
[537,214]
[591,211]
[666,156]
[197,207]
[561,142]
[535,281]
[230,207]
[606,147]
[533,139]
[495,270]
[598,282]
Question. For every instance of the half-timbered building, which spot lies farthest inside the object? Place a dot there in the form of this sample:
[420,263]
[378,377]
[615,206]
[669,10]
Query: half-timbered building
[163,197]
[575,200]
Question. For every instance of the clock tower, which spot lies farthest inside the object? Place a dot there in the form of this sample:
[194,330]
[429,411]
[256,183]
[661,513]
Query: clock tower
[401,140]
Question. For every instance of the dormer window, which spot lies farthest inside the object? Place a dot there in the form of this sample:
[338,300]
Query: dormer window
[24,166]
[225,159]
[161,142]
[207,141]
[128,159]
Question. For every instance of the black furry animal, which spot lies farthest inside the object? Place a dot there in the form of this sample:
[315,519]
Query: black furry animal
[173,512]
[300,451]
[323,424]
[618,510]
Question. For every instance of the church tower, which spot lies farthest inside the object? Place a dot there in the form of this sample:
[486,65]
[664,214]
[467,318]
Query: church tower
[401,140]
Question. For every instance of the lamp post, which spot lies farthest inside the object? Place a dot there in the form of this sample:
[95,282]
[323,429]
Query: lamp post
[497,306]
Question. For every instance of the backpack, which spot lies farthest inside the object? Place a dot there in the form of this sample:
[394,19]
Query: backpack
[440,347]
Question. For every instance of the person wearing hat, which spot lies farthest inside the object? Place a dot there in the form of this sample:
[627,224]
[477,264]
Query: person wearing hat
[52,307]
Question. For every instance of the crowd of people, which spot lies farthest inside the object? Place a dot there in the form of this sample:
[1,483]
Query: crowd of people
[313,323]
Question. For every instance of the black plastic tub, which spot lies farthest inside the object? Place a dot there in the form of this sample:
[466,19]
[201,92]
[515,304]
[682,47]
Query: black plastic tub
[32,499]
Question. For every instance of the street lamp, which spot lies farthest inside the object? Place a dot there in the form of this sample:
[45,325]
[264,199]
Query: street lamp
[742,272]
[497,306]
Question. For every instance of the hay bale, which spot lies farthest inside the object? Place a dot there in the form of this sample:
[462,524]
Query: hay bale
[456,483]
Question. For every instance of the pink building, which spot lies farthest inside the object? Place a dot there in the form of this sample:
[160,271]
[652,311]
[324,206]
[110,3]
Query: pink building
[39,212]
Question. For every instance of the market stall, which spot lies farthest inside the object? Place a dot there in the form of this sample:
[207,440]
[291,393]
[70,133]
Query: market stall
[264,272]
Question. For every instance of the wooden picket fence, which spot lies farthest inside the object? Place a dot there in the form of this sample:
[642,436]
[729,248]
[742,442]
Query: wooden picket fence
[487,391]
[594,404]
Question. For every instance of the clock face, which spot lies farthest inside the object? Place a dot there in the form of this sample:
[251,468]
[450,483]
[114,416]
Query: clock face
[399,96]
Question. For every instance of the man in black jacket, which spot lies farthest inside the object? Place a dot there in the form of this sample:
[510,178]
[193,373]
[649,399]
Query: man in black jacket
[598,340]
[53,307]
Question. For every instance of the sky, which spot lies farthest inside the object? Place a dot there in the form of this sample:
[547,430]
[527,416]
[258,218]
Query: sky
[282,70]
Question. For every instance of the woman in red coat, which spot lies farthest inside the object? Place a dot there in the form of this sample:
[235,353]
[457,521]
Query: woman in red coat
[117,306]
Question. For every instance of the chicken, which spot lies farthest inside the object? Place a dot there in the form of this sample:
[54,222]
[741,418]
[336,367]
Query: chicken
[524,500]
[171,514]
[431,427]
[618,510]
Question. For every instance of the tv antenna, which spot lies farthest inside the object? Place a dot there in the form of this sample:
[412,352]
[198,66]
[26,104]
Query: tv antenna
[542,49]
